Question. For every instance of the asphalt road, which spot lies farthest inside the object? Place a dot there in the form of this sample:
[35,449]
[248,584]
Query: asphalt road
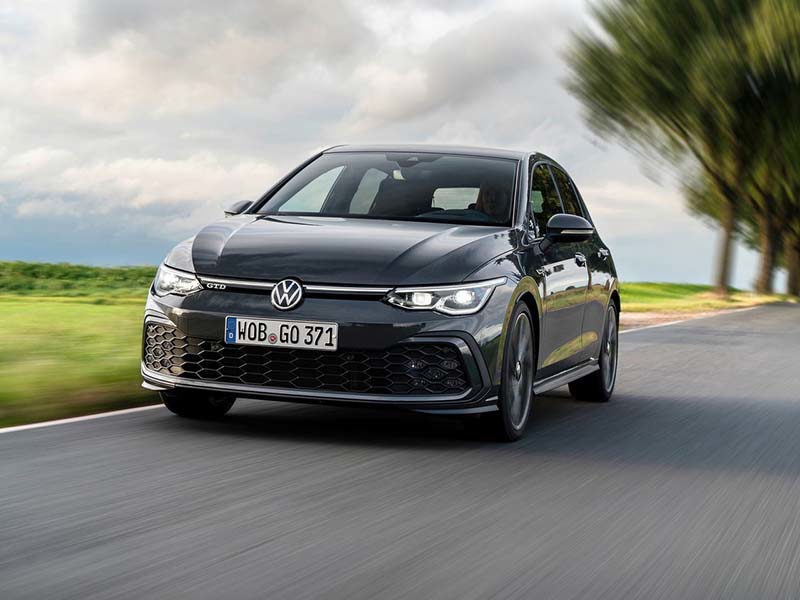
[687,485]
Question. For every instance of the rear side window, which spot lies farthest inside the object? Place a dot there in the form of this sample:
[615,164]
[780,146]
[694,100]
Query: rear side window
[544,199]
[571,204]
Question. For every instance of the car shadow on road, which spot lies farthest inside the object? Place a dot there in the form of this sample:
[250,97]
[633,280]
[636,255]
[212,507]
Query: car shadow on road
[365,426]
[735,433]
[356,426]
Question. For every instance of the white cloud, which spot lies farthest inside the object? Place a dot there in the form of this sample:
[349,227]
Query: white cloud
[617,206]
[31,162]
[458,131]
[456,69]
[47,207]
[175,196]
[122,59]
[136,184]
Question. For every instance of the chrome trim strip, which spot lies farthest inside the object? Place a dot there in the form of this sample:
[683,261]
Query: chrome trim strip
[268,285]
[335,289]
[238,283]
[345,289]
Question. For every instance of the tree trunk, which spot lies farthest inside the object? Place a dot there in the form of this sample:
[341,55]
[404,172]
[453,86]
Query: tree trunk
[768,246]
[792,250]
[725,252]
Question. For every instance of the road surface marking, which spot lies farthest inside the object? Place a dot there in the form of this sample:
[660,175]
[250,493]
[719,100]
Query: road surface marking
[723,312]
[79,419]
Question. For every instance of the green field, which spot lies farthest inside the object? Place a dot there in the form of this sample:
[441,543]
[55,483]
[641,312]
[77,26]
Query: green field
[685,298]
[70,340]
[74,281]
[71,335]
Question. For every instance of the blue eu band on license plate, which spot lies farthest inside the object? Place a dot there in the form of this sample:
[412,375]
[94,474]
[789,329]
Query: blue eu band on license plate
[281,334]
[230,330]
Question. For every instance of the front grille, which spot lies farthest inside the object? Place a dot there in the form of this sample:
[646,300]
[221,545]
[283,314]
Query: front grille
[420,368]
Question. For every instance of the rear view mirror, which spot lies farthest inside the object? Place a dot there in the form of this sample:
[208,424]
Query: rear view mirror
[237,208]
[563,228]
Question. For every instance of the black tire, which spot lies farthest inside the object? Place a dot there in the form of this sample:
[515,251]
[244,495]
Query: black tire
[599,386]
[516,389]
[197,405]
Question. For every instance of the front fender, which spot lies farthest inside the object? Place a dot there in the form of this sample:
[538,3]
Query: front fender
[524,288]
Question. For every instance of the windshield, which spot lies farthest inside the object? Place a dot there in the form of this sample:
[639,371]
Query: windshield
[401,185]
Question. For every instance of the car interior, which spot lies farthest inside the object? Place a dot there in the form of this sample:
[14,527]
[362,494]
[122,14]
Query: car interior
[433,188]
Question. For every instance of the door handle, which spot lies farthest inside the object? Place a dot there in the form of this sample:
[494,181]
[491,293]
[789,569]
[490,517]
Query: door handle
[603,253]
[543,272]
[580,259]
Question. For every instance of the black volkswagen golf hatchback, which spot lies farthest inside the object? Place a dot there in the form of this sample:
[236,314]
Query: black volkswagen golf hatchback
[445,280]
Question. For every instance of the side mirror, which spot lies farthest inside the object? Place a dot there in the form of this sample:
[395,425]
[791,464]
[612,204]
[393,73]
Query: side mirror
[237,208]
[563,228]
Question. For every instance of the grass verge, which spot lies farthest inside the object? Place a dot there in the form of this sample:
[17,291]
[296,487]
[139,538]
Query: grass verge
[686,298]
[63,357]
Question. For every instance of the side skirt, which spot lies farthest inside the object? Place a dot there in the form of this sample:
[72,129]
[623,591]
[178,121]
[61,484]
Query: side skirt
[556,381]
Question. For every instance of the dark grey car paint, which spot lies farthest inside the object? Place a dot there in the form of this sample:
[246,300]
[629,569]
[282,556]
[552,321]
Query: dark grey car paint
[569,299]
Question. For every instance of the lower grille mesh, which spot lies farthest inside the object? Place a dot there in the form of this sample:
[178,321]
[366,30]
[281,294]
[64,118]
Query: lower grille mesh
[405,369]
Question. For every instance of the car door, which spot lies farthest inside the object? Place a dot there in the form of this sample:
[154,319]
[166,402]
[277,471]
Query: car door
[563,280]
[585,253]
[602,277]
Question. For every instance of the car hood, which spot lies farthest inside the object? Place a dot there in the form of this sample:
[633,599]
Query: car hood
[345,251]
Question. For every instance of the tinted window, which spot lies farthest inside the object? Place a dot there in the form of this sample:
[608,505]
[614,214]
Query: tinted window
[544,198]
[582,202]
[571,204]
[401,185]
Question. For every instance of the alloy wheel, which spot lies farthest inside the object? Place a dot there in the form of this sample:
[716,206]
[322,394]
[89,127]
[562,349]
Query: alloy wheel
[610,350]
[519,372]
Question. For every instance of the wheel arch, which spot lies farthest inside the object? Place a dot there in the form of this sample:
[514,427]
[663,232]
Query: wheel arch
[526,291]
[530,301]
[616,300]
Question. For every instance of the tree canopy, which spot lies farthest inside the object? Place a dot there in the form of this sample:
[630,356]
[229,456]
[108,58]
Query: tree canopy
[712,88]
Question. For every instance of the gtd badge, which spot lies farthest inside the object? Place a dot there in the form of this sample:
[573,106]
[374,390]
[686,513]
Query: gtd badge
[287,294]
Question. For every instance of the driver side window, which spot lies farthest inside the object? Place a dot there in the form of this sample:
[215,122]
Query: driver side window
[544,201]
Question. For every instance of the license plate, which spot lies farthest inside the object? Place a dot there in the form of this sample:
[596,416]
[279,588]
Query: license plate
[281,334]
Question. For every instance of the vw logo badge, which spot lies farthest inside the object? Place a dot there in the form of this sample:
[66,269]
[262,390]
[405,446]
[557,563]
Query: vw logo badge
[287,294]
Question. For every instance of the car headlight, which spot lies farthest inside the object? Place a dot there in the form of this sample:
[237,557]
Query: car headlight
[462,299]
[171,281]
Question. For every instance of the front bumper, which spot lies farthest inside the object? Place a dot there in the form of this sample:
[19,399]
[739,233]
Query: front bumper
[370,334]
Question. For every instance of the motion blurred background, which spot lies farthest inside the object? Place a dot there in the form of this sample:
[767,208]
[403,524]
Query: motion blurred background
[125,125]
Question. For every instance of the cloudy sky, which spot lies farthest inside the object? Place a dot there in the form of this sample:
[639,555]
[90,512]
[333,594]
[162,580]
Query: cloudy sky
[126,124]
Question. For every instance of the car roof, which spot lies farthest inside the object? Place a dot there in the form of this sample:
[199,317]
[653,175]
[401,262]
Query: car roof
[434,149]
